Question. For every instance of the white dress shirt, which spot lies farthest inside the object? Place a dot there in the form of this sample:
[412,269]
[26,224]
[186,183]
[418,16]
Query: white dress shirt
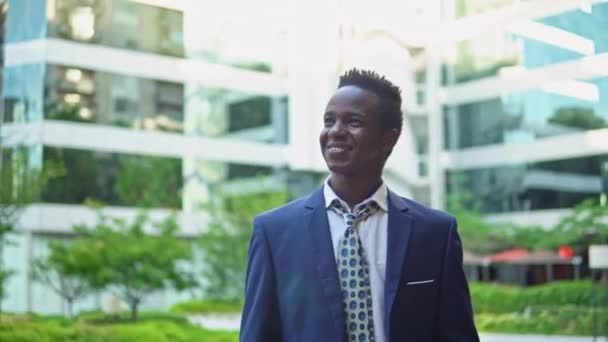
[373,236]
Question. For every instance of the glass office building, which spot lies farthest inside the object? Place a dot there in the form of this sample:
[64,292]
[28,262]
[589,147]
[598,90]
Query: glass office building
[505,99]
[176,100]
[526,105]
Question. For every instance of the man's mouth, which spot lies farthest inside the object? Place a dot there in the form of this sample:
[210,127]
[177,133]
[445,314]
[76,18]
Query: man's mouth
[337,148]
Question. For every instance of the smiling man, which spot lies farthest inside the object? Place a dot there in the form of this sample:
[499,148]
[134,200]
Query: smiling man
[354,261]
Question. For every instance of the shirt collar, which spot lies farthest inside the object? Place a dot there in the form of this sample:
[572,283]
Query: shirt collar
[380,196]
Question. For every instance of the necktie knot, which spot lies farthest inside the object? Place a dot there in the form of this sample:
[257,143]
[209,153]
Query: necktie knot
[361,213]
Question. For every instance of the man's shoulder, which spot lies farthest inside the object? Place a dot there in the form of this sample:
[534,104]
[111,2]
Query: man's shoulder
[286,212]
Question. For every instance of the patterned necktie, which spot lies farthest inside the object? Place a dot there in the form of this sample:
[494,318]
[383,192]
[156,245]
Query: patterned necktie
[353,271]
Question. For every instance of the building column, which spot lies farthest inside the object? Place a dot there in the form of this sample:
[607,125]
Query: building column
[436,129]
[312,67]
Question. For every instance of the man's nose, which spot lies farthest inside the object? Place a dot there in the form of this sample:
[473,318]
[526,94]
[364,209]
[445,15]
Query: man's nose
[337,129]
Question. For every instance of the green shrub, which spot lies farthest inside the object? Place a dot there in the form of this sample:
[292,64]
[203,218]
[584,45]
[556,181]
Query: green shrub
[555,321]
[151,330]
[492,298]
[20,331]
[125,316]
[208,306]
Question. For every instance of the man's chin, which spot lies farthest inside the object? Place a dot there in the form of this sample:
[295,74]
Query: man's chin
[340,168]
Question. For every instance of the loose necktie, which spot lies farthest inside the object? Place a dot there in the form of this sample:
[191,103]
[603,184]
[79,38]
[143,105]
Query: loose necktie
[353,271]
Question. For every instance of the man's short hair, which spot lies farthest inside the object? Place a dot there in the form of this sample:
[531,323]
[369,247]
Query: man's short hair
[389,95]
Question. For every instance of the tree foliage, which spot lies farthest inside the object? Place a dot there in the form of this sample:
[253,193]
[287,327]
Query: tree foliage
[584,225]
[133,259]
[62,271]
[225,243]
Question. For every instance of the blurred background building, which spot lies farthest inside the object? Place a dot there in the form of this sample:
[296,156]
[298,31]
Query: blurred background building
[506,100]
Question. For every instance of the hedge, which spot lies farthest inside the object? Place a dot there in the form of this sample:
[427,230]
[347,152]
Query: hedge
[563,320]
[208,306]
[56,331]
[491,298]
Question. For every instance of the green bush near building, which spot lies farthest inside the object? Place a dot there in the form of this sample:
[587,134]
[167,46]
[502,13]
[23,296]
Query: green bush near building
[498,299]
[198,306]
[566,320]
[152,328]
[558,308]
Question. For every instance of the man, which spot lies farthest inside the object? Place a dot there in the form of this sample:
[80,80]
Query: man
[353,261]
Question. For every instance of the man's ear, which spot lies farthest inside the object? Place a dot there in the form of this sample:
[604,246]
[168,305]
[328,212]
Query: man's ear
[389,139]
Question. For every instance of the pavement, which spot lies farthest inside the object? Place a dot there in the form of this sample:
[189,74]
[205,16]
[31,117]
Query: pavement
[232,323]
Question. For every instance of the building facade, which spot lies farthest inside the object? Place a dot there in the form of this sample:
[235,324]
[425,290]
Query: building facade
[503,99]
[208,97]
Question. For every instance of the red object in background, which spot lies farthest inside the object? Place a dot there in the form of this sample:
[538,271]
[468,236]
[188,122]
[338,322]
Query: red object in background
[565,252]
[509,255]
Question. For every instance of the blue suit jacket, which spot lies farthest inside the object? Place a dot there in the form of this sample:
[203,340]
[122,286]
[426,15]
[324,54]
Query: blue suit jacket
[292,291]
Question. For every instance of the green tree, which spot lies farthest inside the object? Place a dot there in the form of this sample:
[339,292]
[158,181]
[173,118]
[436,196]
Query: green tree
[61,270]
[225,243]
[134,259]
[583,226]
[477,235]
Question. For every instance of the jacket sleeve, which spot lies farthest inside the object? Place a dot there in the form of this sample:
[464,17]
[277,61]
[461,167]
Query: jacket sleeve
[260,320]
[456,322]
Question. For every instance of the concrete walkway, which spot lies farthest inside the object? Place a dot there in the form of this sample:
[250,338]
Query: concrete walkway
[232,323]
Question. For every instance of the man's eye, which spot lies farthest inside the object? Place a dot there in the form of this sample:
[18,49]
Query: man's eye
[328,121]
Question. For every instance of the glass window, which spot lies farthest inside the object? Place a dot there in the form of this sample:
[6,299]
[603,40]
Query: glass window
[542,185]
[218,112]
[23,93]
[530,44]
[26,20]
[114,179]
[82,95]
[202,178]
[555,109]
[122,24]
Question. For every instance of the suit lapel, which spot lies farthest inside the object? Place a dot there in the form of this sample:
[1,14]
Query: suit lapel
[316,219]
[399,229]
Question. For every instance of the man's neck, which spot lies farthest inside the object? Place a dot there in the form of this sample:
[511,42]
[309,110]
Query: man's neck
[354,190]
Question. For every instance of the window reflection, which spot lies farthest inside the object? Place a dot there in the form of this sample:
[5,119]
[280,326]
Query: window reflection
[232,114]
[26,20]
[119,23]
[572,107]
[83,95]
[560,38]
[82,23]
[543,185]
[114,179]
[23,93]
[75,94]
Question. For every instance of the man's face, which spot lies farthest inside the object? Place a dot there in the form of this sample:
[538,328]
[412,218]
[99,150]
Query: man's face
[352,140]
